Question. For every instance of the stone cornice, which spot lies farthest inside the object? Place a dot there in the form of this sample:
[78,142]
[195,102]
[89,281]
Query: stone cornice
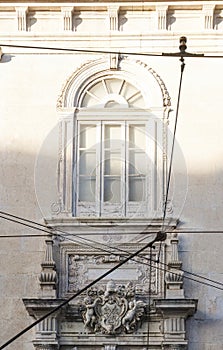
[126,3]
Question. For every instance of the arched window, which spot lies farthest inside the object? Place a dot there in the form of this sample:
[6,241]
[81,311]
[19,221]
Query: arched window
[109,92]
[116,164]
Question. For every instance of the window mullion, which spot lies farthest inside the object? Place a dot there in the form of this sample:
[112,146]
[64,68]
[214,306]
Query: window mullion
[150,164]
[126,170]
[77,165]
[152,177]
[99,168]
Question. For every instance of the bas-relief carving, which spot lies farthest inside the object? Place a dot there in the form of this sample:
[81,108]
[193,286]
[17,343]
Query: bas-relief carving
[83,268]
[112,310]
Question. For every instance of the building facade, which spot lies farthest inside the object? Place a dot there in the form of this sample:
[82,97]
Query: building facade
[89,98]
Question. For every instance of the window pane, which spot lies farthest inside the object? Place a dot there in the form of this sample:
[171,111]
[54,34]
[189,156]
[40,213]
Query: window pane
[112,164]
[112,189]
[128,90]
[137,162]
[87,189]
[112,136]
[137,102]
[87,136]
[137,136]
[98,90]
[87,163]
[113,85]
[137,189]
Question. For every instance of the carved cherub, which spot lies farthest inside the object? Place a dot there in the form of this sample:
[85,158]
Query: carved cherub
[131,316]
[89,316]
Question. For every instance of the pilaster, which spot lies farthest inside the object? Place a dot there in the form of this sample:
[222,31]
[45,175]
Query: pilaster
[48,276]
[110,347]
[174,347]
[46,347]
[174,275]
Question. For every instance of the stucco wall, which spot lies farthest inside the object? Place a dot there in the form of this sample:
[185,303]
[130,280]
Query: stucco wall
[30,82]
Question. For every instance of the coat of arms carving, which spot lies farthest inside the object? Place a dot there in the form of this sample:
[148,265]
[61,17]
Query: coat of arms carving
[112,310]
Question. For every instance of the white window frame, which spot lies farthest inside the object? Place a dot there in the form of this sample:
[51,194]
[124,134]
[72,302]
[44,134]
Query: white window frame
[126,208]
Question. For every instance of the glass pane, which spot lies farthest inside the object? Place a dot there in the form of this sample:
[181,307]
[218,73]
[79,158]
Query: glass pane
[87,136]
[87,163]
[112,163]
[137,162]
[112,189]
[87,189]
[137,102]
[128,90]
[89,100]
[98,90]
[113,85]
[112,136]
[137,189]
[137,136]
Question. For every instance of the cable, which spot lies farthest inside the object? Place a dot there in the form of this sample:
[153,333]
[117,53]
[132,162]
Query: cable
[22,236]
[92,283]
[173,143]
[22,223]
[149,300]
[162,54]
[87,287]
[182,49]
[112,233]
[64,233]
[81,50]
[76,294]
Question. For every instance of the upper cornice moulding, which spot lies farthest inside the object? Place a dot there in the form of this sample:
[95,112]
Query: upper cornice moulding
[100,2]
[53,5]
[112,1]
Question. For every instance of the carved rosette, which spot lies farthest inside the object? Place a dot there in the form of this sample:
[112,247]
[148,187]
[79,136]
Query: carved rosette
[112,310]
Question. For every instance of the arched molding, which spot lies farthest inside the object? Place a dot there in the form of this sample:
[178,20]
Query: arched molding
[139,74]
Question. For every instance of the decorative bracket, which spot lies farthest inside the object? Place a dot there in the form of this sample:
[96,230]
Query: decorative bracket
[208,11]
[113,17]
[21,12]
[161,11]
[67,12]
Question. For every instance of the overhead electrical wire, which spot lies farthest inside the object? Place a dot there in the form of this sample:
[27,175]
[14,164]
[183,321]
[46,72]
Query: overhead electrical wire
[182,48]
[114,52]
[181,53]
[173,144]
[76,294]
[88,242]
[131,256]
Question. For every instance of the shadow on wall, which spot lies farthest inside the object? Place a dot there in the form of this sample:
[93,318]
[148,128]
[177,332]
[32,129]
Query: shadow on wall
[200,253]
[6,58]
